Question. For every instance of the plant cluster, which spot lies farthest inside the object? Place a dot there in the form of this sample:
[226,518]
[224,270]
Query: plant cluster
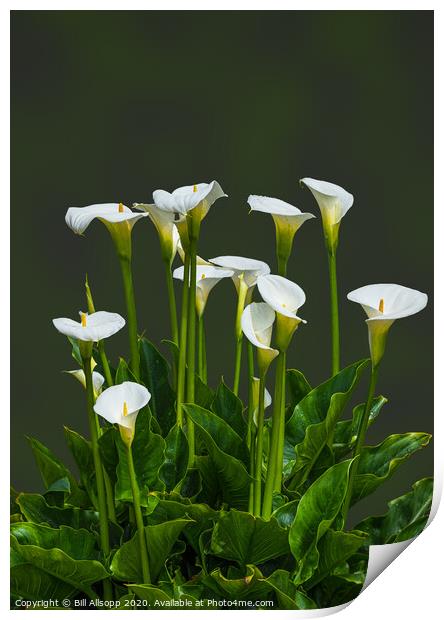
[186,496]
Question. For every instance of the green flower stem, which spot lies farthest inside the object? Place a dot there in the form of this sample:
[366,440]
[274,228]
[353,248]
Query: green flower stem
[363,423]
[101,493]
[191,345]
[125,264]
[201,350]
[275,436]
[241,296]
[100,343]
[172,303]
[282,265]
[259,449]
[250,423]
[181,371]
[139,519]
[280,454]
[334,312]
[237,364]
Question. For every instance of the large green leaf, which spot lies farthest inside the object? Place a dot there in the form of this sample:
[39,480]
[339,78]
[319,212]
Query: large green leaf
[286,513]
[35,508]
[378,463]
[82,452]
[335,547]
[203,395]
[154,372]
[148,455]
[175,465]
[31,583]
[78,544]
[312,424]
[246,539]
[161,538]
[317,510]
[80,574]
[405,518]
[230,479]
[228,406]
[345,433]
[248,586]
[108,452]
[287,594]
[298,386]
[169,596]
[203,517]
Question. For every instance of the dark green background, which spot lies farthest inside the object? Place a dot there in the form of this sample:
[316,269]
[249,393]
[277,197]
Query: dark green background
[108,106]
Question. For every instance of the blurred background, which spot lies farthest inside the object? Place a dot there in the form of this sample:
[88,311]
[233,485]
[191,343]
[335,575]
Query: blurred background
[108,106]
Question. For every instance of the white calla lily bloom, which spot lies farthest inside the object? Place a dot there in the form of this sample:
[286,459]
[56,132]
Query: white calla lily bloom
[92,327]
[207,276]
[257,325]
[267,399]
[249,268]
[384,304]
[97,379]
[334,202]
[165,223]
[120,404]
[285,297]
[184,199]
[287,219]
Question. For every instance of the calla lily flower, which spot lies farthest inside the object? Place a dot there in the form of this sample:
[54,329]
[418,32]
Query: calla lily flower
[97,378]
[92,327]
[383,304]
[287,219]
[120,404]
[249,268]
[207,276]
[285,297]
[182,200]
[164,221]
[267,399]
[257,325]
[118,218]
[334,202]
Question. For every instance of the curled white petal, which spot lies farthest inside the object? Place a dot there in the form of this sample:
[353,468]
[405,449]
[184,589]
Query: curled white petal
[99,325]
[98,379]
[185,198]
[79,218]
[388,302]
[334,201]
[283,295]
[278,208]
[257,324]
[250,268]
[207,276]
[120,404]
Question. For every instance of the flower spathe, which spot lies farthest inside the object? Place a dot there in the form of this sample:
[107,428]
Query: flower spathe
[97,379]
[247,270]
[334,202]
[257,325]
[184,199]
[120,404]
[207,276]
[164,221]
[285,297]
[117,217]
[287,219]
[91,327]
[384,304]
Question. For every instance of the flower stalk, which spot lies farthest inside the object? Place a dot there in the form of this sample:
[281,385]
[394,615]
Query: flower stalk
[181,371]
[201,350]
[334,312]
[100,343]
[128,287]
[242,294]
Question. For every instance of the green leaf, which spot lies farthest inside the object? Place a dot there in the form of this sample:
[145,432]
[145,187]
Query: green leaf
[286,513]
[335,547]
[35,508]
[123,373]
[204,395]
[298,386]
[148,455]
[78,544]
[81,450]
[175,465]
[246,539]
[229,477]
[249,586]
[126,564]
[30,583]
[80,574]
[108,451]
[154,372]
[317,510]
[346,430]
[166,597]
[312,424]
[378,463]
[405,518]
[287,594]
[228,406]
